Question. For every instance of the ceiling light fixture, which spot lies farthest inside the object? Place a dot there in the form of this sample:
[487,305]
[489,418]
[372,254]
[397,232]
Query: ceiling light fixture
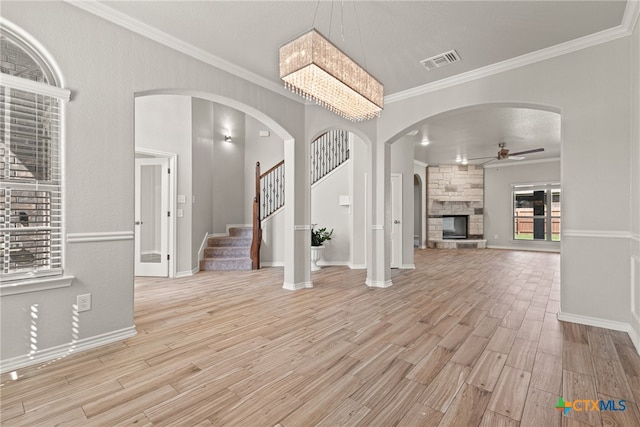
[464,161]
[314,68]
[458,158]
[227,138]
[425,141]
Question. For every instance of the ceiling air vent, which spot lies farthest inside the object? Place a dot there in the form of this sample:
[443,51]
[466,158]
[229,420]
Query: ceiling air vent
[440,60]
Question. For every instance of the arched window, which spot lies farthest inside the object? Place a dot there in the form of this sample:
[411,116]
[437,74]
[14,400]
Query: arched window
[30,162]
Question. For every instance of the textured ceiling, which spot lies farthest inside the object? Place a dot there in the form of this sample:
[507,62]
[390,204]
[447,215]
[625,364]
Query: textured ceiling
[389,38]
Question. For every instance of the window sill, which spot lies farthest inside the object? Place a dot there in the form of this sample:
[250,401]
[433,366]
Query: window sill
[35,285]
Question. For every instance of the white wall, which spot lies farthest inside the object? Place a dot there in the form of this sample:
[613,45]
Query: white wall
[595,101]
[326,211]
[498,204]
[268,150]
[202,175]
[228,168]
[163,123]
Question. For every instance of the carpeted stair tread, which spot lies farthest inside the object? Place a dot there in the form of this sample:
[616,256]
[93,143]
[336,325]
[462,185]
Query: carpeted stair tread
[230,252]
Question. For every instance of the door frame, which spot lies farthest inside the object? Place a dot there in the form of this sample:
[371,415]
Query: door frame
[173,162]
[396,255]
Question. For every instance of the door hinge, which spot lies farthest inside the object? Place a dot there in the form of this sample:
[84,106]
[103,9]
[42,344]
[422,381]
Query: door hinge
[168,257]
[168,213]
[168,170]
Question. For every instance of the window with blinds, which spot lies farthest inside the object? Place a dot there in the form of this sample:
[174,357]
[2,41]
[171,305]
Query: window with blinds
[30,168]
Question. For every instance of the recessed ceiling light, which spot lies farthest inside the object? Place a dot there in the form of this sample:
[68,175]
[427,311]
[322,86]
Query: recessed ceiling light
[413,132]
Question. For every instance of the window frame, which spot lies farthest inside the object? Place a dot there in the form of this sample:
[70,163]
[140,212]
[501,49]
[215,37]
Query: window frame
[549,188]
[20,282]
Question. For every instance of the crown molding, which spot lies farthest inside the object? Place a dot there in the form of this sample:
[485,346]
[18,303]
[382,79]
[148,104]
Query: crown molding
[520,163]
[100,10]
[629,19]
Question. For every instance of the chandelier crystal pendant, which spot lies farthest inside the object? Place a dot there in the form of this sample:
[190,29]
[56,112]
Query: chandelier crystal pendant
[314,68]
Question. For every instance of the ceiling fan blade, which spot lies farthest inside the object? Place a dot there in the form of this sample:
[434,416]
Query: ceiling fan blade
[536,150]
[482,158]
[515,157]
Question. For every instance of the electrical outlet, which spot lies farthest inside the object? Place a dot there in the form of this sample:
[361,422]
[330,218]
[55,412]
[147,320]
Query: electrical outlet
[83,302]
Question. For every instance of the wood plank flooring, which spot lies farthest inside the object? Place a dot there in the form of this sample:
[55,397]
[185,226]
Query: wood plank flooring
[469,338]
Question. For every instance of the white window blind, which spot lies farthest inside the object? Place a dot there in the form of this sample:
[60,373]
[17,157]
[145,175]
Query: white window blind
[31,189]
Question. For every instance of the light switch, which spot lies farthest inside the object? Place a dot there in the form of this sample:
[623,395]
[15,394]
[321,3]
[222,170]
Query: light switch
[182,198]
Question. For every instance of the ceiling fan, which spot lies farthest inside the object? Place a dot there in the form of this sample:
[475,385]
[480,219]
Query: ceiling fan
[504,154]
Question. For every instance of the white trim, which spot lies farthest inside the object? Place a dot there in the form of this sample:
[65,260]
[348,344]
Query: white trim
[594,321]
[419,163]
[181,46]
[271,264]
[377,283]
[357,266]
[187,273]
[19,83]
[407,266]
[203,246]
[333,263]
[97,236]
[53,354]
[631,13]
[301,228]
[297,286]
[597,234]
[635,237]
[377,227]
[35,285]
[526,248]
[219,235]
[520,163]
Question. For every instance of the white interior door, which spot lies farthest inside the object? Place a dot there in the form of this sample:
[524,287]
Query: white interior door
[396,220]
[152,217]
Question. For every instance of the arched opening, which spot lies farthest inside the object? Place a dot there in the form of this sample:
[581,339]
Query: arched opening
[215,142]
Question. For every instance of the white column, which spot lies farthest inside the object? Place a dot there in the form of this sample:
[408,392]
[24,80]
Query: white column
[379,217]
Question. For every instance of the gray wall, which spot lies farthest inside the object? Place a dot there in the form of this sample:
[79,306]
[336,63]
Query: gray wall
[202,174]
[498,205]
[595,102]
[105,65]
[228,166]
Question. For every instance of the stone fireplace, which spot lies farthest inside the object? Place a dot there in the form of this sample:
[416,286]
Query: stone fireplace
[455,191]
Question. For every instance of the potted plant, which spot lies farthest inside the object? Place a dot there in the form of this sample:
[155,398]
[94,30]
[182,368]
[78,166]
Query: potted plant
[318,237]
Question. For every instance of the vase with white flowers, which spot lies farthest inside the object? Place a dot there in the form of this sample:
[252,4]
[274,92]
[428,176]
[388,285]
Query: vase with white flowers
[318,237]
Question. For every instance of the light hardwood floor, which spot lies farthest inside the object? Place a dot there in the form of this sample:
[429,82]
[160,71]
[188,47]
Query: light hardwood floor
[469,338]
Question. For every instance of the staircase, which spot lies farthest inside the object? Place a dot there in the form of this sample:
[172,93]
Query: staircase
[230,252]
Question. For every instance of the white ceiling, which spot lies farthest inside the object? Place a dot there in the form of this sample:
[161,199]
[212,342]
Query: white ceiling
[389,38]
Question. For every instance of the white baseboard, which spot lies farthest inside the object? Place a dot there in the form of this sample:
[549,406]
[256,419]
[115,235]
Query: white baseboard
[296,286]
[187,273]
[53,354]
[378,284]
[333,263]
[603,323]
[407,266]
[271,263]
[203,246]
[521,248]
[357,266]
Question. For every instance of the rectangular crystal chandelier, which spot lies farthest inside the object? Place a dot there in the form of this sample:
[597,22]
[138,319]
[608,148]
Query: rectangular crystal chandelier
[314,68]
